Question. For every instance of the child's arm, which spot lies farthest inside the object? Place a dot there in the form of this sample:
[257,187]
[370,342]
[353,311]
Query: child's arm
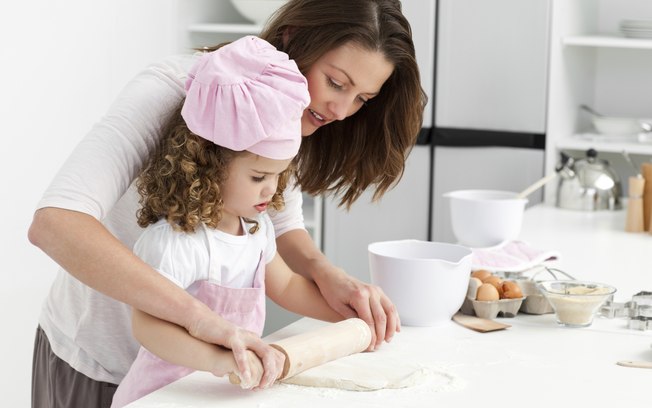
[174,344]
[296,293]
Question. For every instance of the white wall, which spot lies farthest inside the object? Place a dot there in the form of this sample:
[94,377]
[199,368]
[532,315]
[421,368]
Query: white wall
[62,64]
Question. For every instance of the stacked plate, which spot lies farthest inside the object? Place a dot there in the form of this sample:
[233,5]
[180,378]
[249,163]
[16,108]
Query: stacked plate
[636,28]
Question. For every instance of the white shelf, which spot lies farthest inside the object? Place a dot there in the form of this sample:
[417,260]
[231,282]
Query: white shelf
[243,28]
[607,41]
[608,144]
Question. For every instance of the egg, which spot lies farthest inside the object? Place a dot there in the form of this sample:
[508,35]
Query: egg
[511,290]
[472,290]
[481,274]
[497,282]
[487,292]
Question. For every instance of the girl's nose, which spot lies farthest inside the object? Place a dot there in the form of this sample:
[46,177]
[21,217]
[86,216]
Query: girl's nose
[270,188]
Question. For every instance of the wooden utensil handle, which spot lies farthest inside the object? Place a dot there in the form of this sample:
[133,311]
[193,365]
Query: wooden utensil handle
[636,364]
[322,345]
[234,379]
[316,347]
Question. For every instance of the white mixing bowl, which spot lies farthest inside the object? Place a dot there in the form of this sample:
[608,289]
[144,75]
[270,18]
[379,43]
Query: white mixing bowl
[485,218]
[427,281]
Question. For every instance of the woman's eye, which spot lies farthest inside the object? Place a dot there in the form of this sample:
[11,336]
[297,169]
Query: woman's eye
[334,84]
[363,100]
[258,179]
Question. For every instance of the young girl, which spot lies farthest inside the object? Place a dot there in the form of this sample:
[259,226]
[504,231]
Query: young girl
[363,119]
[224,161]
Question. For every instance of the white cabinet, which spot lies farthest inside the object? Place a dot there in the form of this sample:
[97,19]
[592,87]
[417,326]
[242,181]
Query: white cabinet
[592,63]
[492,65]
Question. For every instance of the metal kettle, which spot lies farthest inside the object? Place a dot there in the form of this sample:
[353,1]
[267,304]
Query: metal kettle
[588,184]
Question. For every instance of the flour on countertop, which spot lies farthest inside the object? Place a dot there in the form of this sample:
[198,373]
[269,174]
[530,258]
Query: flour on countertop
[366,372]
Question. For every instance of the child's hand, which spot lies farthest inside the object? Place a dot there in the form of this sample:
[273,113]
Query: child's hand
[212,328]
[259,377]
[263,375]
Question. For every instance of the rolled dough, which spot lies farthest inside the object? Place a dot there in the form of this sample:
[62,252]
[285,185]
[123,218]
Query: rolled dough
[368,372]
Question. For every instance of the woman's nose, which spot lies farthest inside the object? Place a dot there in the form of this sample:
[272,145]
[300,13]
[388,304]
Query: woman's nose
[341,108]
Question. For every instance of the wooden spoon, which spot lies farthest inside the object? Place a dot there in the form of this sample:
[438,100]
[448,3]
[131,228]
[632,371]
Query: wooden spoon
[536,185]
[478,323]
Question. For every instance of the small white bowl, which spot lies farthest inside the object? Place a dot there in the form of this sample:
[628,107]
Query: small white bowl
[257,11]
[613,125]
[485,218]
[427,281]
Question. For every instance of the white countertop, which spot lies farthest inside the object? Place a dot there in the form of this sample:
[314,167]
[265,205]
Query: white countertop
[535,363]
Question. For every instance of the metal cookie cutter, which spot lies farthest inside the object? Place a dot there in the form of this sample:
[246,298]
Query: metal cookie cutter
[640,323]
[638,310]
[641,311]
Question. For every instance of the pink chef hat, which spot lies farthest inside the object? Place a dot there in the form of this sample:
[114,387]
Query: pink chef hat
[247,96]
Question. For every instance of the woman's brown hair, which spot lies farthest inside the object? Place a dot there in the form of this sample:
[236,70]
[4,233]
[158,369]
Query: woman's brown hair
[371,146]
[182,180]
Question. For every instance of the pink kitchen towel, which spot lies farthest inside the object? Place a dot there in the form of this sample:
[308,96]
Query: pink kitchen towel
[513,256]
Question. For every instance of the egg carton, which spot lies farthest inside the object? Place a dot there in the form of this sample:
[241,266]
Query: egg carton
[489,309]
[536,303]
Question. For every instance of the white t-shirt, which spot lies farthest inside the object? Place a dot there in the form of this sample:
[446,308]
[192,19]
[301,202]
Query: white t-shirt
[87,329]
[185,258]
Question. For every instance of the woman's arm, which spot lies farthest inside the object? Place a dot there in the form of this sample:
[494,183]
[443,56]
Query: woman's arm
[175,345]
[86,249]
[347,295]
[296,293]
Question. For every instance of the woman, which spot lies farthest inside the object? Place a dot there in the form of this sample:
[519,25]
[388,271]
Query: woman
[363,119]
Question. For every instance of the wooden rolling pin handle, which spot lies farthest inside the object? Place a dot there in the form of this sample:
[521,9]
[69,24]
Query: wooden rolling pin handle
[316,347]
[328,343]
[234,379]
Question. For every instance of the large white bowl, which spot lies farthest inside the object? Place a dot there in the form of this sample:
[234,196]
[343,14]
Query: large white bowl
[427,281]
[485,218]
[257,11]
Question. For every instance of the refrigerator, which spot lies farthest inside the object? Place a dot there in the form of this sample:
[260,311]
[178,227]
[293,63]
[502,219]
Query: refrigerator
[490,92]
[483,65]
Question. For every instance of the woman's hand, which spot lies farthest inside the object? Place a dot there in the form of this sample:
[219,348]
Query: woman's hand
[353,298]
[345,294]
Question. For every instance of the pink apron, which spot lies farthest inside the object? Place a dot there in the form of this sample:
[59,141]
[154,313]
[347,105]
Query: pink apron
[244,307]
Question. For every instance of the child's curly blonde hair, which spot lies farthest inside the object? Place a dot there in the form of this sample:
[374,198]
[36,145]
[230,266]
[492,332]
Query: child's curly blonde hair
[182,180]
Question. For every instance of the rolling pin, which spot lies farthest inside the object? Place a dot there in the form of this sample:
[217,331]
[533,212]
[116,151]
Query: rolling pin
[316,347]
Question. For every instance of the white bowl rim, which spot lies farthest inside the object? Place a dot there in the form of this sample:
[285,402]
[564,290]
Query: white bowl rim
[467,252]
[484,195]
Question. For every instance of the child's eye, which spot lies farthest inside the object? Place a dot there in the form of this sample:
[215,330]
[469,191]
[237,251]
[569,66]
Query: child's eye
[258,179]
